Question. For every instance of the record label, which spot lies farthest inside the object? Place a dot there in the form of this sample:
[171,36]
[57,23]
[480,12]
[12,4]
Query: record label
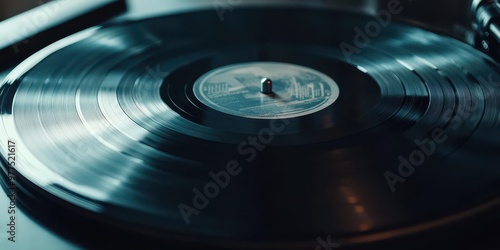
[297,90]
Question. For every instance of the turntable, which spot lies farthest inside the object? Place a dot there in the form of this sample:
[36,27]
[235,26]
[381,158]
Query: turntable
[253,125]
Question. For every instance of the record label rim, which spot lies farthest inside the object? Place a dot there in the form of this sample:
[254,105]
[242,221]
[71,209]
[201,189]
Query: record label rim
[310,96]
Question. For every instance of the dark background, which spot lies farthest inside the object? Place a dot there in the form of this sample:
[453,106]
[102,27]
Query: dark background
[443,13]
[9,8]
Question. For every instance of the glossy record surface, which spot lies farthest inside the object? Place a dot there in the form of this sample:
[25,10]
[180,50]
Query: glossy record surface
[110,124]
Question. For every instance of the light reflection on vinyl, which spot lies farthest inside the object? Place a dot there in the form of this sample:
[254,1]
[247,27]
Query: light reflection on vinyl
[110,125]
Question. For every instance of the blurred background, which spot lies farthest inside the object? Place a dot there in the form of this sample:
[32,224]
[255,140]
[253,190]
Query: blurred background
[442,13]
[10,8]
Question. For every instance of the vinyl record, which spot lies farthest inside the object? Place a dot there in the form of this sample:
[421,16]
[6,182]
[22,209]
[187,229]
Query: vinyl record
[372,131]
